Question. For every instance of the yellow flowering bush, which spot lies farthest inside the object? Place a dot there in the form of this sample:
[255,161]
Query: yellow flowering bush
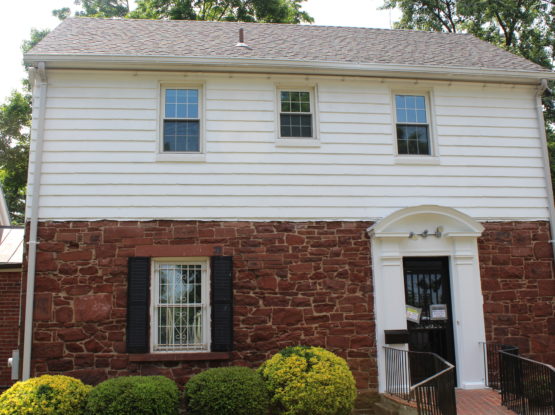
[45,395]
[306,380]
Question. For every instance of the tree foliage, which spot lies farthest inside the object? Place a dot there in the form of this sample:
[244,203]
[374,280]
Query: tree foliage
[15,124]
[524,27]
[268,11]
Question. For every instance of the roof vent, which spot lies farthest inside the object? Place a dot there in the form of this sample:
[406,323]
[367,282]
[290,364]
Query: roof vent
[242,43]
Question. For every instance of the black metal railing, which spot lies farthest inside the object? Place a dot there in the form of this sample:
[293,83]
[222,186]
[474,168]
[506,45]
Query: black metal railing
[492,362]
[527,386]
[421,377]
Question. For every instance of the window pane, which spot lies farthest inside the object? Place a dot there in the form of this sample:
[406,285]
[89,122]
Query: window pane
[420,102]
[171,96]
[292,125]
[180,321]
[181,136]
[411,109]
[295,101]
[413,139]
[181,103]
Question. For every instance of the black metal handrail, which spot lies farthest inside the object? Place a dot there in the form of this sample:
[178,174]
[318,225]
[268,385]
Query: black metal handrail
[492,364]
[527,386]
[423,377]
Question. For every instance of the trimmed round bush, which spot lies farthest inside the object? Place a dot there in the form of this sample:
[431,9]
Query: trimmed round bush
[47,394]
[306,380]
[233,390]
[133,395]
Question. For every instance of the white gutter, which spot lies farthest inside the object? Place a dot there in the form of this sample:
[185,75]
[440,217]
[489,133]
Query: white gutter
[546,164]
[286,65]
[32,252]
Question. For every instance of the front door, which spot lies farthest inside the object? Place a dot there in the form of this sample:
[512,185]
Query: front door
[427,289]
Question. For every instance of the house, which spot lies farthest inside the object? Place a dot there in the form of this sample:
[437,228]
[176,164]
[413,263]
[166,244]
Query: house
[11,257]
[207,193]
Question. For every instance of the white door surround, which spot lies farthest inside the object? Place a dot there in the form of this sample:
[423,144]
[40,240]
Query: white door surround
[429,231]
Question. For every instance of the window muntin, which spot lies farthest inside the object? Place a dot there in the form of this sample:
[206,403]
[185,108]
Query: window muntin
[412,125]
[181,120]
[180,315]
[296,114]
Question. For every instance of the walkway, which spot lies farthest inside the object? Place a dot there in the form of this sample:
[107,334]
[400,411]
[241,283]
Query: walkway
[480,402]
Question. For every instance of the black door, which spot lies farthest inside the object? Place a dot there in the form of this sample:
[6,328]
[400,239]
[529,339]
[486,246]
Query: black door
[426,284]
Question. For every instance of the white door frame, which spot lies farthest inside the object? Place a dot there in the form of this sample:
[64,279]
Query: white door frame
[402,234]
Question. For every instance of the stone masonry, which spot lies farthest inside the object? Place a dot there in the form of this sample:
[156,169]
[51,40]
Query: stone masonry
[294,283]
[516,265]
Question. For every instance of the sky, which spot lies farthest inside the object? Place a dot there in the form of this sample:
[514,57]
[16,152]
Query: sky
[17,18]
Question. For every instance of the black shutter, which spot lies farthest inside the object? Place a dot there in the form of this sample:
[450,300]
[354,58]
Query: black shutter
[138,295]
[222,303]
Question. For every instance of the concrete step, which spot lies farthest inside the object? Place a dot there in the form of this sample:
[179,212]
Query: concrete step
[387,406]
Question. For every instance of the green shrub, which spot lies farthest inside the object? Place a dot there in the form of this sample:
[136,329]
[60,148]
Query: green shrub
[231,390]
[309,380]
[134,395]
[52,395]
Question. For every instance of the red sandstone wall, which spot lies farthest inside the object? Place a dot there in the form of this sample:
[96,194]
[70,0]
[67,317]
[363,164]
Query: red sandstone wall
[516,262]
[295,283]
[10,286]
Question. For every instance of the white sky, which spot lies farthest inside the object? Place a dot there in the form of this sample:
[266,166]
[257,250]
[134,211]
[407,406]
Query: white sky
[17,18]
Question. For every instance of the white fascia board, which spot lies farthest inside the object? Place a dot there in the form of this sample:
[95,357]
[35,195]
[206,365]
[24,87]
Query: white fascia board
[281,65]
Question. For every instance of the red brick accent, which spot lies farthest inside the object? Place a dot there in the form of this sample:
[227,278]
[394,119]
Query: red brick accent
[10,287]
[295,283]
[518,284]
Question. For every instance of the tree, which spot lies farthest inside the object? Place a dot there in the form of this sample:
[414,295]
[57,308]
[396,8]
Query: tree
[15,124]
[268,11]
[524,27]
[96,8]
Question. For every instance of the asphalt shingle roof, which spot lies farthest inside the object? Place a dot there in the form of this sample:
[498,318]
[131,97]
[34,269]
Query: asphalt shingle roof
[157,38]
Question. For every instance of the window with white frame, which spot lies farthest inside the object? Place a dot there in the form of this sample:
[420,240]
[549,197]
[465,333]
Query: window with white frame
[180,306]
[181,123]
[412,125]
[296,116]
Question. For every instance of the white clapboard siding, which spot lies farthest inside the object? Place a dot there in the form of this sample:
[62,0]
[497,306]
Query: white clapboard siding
[101,132]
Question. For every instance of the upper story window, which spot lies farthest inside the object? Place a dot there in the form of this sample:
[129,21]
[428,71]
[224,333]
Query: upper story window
[181,129]
[412,125]
[181,318]
[296,117]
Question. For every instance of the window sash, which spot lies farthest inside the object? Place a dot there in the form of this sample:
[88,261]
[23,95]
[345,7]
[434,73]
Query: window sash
[412,121]
[180,321]
[293,123]
[181,119]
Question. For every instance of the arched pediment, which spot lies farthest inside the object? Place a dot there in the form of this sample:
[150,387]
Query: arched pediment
[430,218]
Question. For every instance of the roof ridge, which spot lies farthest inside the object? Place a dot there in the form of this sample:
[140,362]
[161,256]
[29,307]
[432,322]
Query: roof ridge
[303,25]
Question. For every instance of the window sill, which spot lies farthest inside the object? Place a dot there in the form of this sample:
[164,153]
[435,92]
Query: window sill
[421,160]
[297,142]
[184,157]
[181,357]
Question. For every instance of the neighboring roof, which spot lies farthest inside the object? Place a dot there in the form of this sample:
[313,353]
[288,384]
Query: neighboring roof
[11,245]
[93,37]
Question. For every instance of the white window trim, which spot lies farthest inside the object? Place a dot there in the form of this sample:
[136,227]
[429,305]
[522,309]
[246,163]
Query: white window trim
[417,159]
[313,141]
[197,156]
[154,291]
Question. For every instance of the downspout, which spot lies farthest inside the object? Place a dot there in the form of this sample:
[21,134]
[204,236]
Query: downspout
[546,165]
[40,75]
